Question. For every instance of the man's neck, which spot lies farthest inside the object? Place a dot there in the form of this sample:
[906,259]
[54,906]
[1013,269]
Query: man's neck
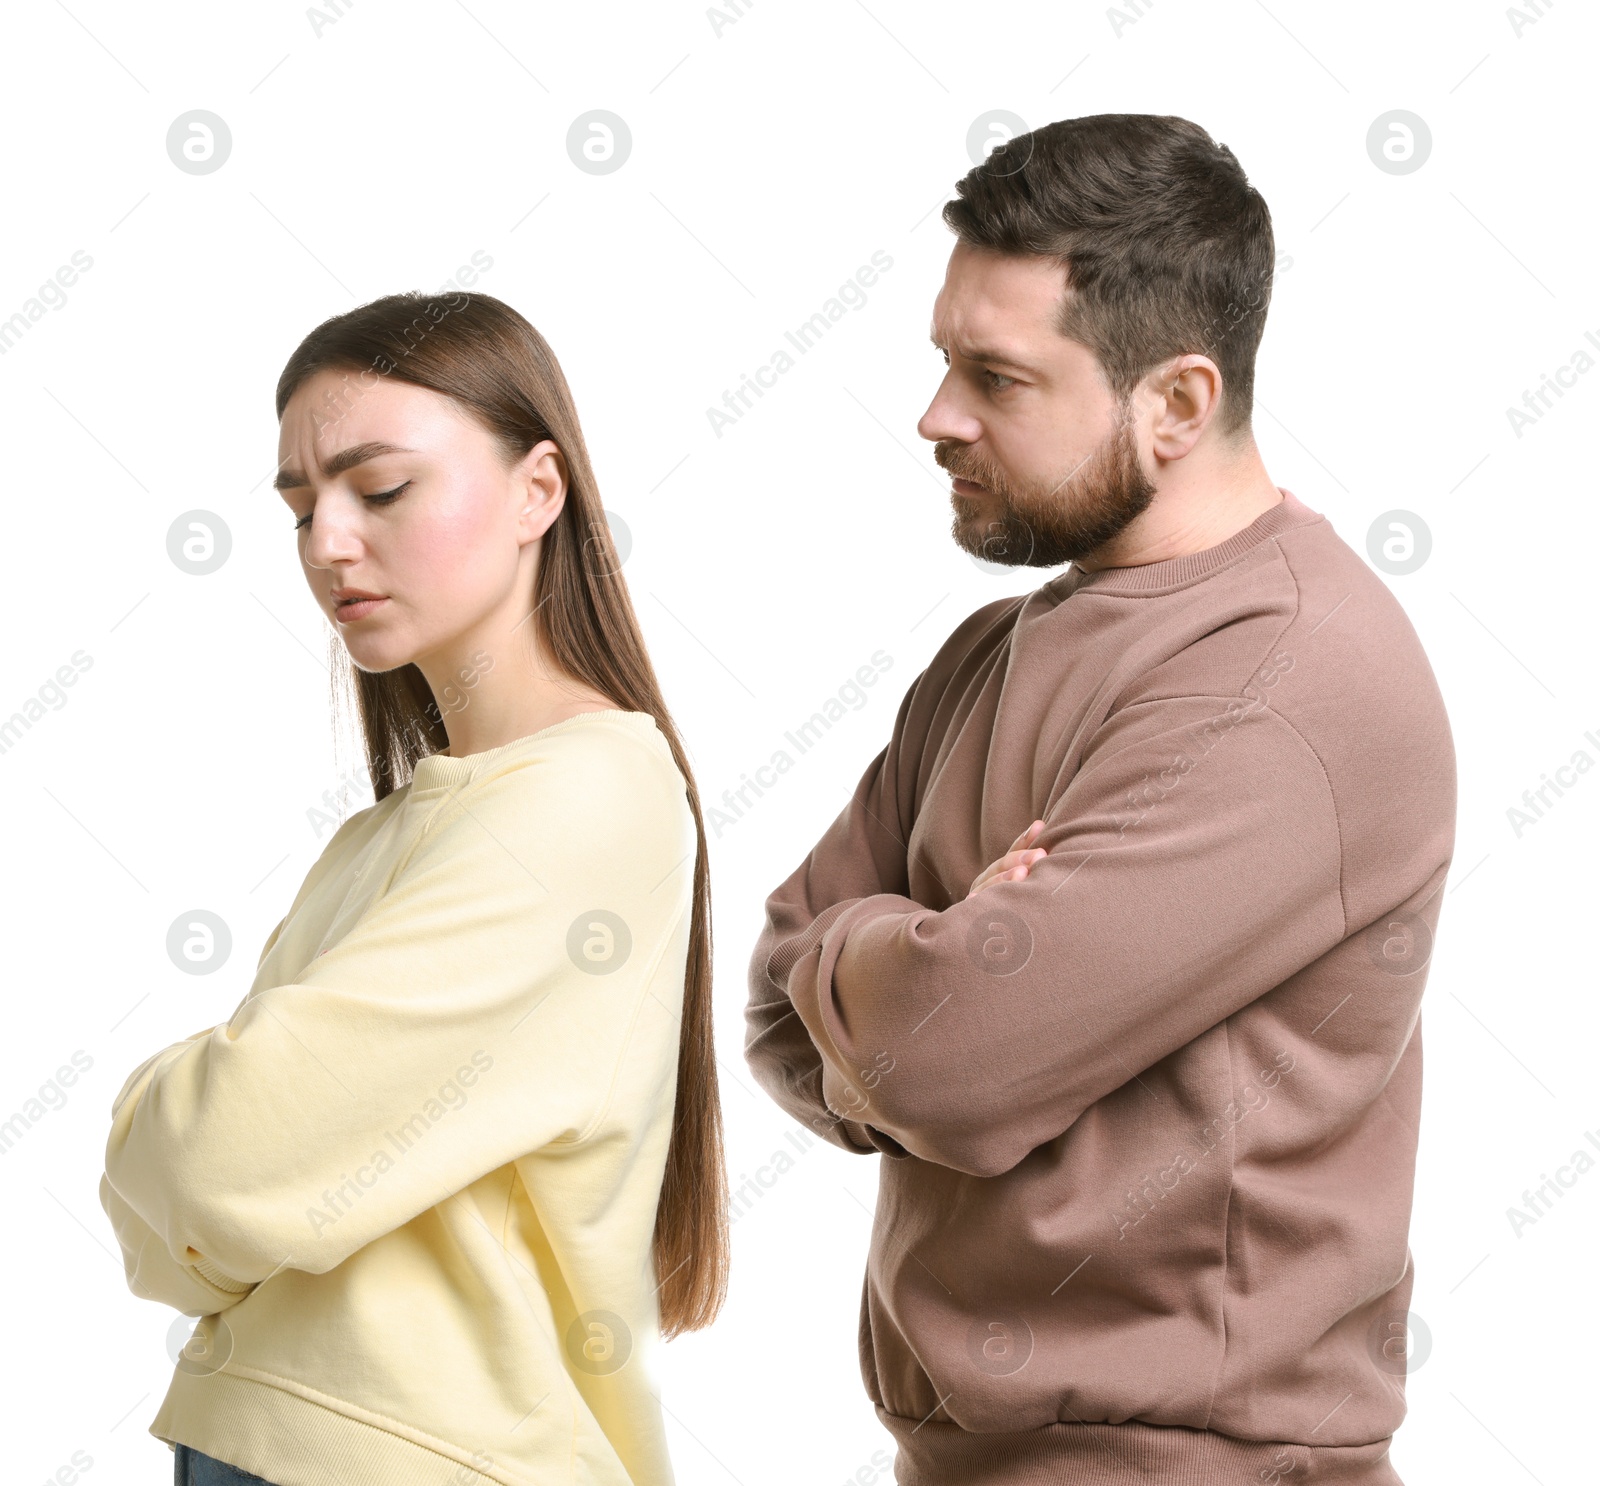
[1189,517]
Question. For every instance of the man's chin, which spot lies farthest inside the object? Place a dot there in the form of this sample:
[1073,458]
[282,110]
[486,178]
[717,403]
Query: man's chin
[988,543]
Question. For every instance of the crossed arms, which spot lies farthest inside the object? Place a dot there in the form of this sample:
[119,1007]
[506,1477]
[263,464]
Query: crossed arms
[1191,865]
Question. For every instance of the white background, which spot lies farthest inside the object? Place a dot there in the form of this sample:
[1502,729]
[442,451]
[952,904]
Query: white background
[768,163]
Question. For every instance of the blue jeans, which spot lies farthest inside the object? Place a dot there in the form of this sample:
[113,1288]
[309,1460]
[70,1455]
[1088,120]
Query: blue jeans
[195,1469]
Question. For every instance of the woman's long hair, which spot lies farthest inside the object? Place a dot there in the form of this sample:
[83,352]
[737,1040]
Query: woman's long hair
[481,352]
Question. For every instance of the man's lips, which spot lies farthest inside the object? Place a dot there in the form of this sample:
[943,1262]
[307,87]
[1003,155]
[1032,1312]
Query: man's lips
[967,487]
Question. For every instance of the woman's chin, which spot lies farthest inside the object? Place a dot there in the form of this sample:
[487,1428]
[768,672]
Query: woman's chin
[376,654]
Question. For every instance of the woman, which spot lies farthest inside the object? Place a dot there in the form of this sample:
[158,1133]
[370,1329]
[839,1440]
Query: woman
[454,1164]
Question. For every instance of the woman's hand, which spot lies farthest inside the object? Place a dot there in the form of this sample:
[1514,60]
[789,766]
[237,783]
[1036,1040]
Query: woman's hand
[1013,866]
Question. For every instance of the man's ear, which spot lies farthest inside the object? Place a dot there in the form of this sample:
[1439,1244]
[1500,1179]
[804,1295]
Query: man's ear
[1190,392]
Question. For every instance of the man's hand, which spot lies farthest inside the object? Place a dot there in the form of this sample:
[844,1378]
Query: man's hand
[1013,866]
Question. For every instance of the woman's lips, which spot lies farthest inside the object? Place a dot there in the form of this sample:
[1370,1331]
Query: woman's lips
[356,609]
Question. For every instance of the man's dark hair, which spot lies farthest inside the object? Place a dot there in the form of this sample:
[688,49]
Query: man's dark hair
[1167,246]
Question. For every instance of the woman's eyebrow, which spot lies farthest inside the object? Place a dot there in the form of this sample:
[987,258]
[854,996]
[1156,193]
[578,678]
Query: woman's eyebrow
[337,464]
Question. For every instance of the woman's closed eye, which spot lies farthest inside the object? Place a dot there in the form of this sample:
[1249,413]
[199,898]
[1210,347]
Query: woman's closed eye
[381,498]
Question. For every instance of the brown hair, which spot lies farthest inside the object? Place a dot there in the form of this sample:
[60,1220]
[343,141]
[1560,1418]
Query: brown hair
[481,352]
[1167,246]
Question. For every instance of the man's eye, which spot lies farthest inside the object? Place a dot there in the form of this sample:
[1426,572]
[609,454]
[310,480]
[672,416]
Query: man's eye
[998,378]
[380,498]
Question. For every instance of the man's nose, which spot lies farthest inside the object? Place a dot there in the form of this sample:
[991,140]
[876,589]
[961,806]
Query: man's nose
[944,420]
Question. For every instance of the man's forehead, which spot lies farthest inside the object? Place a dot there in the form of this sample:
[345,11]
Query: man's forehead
[994,302]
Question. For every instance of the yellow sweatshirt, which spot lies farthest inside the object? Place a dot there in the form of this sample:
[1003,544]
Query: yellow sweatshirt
[410,1185]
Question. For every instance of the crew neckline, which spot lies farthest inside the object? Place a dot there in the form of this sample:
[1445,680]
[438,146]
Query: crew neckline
[444,769]
[1175,572]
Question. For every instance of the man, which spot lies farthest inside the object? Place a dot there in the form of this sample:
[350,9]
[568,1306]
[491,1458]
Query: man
[1116,954]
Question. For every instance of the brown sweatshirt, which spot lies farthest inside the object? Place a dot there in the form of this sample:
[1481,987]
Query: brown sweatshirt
[1151,1113]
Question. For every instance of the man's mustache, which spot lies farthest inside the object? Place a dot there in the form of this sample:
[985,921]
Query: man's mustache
[962,469]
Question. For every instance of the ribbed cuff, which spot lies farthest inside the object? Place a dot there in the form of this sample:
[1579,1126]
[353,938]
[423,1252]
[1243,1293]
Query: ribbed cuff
[939,1453]
[789,954]
[214,1276]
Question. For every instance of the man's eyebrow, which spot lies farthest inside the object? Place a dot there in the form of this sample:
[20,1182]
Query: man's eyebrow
[980,353]
[345,459]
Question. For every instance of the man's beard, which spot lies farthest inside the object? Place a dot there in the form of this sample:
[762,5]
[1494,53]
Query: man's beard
[1044,524]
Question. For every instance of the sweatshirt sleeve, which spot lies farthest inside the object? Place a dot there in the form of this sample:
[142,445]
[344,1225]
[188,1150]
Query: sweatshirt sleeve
[474,1012]
[154,1274]
[1193,864]
[152,1271]
[862,854]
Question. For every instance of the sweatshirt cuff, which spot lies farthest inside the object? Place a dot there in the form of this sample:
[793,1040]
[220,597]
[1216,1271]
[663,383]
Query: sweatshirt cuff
[214,1276]
[885,1145]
